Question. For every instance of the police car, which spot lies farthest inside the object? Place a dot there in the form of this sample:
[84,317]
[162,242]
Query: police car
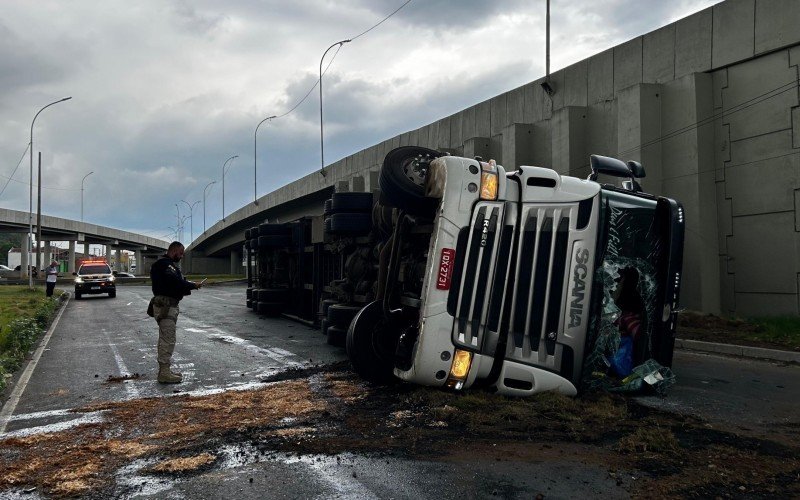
[94,277]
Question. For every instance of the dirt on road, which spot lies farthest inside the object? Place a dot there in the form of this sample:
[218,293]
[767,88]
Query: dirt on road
[328,410]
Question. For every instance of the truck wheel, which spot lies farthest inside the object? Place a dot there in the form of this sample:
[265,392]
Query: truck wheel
[113,294]
[249,303]
[351,202]
[350,223]
[253,244]
[274,240]
[77,295]
[247,234]
[324,327]
[337,336]
[267,229]
[249,293]
[361,344]
[402,179]
[326,304]
[341,315]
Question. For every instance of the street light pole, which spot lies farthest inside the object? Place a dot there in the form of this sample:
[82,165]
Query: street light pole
[84,178]
[223,184]
[178,219]
[204,204]
[191,218]
[321,142]
[30,208]
[255,158]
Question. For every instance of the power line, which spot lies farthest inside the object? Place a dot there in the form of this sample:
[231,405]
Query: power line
[15,169]
[337,51]
[381,21]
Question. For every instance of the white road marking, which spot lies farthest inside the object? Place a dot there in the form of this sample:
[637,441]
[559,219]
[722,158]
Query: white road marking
[39,414]
[218,298]
[129,303]
[16,394]
[131,389]
[88,418]
[276,354]
[194,330]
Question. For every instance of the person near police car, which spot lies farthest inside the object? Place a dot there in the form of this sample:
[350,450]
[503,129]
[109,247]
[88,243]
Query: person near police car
[169,287]
[52,276]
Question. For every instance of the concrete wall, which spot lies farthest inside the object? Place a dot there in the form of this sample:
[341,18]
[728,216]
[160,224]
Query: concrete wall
[709,104]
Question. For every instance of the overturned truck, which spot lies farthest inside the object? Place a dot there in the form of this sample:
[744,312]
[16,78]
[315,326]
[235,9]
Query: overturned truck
[457,273]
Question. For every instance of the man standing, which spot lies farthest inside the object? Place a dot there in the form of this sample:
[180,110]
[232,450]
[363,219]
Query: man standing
[52,277]
[169,287]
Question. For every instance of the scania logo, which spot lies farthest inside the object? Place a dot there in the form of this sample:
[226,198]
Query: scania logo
[578,287]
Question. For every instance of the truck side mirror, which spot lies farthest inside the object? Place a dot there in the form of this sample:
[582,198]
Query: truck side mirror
[636,169]
[609,166]
[74,274]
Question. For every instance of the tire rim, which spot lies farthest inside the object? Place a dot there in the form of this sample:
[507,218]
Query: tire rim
[414,170]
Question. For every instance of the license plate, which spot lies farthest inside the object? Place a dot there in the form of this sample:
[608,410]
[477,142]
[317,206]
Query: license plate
[95,288]
[446,269]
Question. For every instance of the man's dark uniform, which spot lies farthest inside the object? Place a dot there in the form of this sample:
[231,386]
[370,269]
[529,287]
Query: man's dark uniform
[169,287]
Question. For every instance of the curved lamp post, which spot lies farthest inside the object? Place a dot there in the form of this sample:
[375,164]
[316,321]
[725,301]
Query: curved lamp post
[30,210]
[204,203]
[255,157]
[223,184]
[84,178]
[191,218]
[321,142]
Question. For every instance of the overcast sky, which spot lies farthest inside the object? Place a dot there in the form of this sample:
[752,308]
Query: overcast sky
[164,91]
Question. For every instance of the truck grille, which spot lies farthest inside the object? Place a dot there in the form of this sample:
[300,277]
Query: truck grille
[509,288]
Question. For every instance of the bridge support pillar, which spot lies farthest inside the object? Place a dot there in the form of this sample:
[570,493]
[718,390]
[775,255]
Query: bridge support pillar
[85,250]
[71,262]
[117,261]
[108,253]
[139,263]
[236,262]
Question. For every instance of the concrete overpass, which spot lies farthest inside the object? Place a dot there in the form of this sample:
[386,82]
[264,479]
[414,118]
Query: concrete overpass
[58,229]
[710,104]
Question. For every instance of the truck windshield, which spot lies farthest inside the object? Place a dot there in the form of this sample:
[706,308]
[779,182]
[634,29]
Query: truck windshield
[95,269]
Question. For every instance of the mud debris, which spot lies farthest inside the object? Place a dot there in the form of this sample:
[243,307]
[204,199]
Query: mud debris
[326,411]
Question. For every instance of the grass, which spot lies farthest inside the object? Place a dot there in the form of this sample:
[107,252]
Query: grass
[24,314]
[775,332]
[784,330]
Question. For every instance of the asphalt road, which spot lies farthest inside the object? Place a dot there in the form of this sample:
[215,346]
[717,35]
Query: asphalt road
[222,345]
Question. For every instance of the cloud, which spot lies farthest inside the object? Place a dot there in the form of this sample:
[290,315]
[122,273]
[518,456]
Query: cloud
[164,92]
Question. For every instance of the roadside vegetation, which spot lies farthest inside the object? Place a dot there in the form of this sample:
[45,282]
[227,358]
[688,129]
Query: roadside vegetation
[24,315]
[776,332]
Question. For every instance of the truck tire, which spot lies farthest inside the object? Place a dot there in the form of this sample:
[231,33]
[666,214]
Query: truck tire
[341,315]
[327,210]
[253,244]
[327,303]
[351,202]
[274,240]
[361,345]
[270,308]
[249,303]
[402,183]
[324,327]
[349,223]
[267,229]
[77,295]
[249,293]
[246,234]
[113,294]
[337,336]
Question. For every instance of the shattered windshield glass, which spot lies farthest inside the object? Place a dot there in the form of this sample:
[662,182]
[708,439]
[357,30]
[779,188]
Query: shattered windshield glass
[627,284]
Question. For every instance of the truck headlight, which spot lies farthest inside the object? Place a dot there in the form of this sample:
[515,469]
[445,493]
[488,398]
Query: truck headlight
[462,360]
[111,278]
[489,181]
[79,280]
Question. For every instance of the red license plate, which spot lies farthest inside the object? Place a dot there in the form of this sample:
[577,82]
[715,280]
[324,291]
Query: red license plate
[446,268]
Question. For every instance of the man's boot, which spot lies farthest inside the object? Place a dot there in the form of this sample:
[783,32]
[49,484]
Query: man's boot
[165,376]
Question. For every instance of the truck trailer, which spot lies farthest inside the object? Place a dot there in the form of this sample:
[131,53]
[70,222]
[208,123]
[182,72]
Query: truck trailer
[457,273]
